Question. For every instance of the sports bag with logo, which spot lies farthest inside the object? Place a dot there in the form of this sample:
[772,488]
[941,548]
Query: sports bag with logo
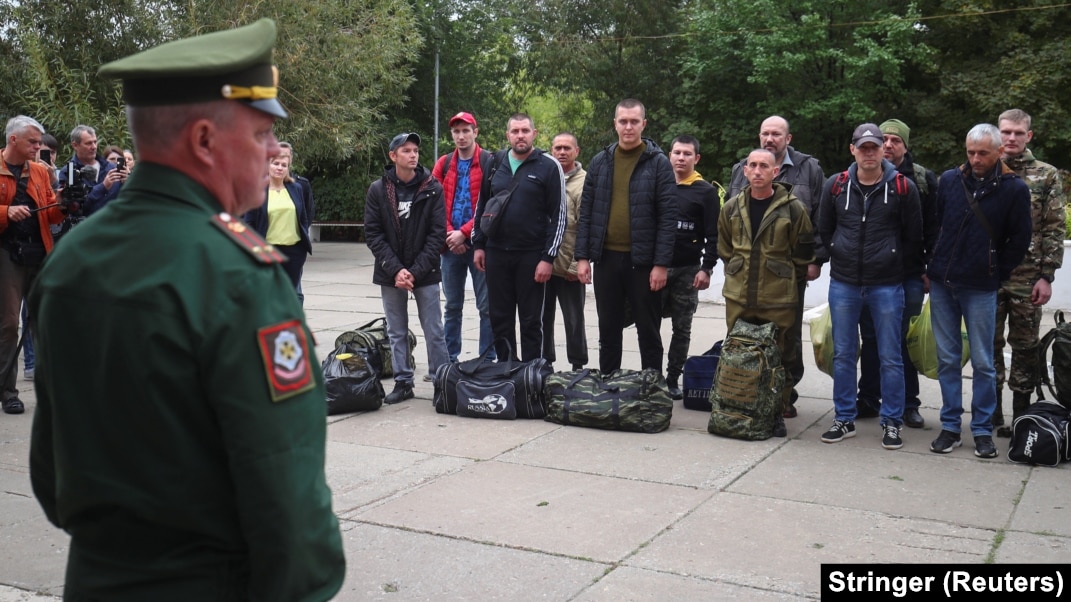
[699,378]
[351,382]
[1040,435]
[746,396]
[483,388]
[373,336]
[623,400]
[1059,339]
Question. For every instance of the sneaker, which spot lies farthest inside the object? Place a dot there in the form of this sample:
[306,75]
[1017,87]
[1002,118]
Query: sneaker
[402,390]
[839,430]
[674,391]
[13,406]
[891,439]
[27,374]
[429,378]
[984,447]
[945,442]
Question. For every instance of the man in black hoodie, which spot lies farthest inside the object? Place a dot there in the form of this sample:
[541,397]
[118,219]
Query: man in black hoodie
[405,226]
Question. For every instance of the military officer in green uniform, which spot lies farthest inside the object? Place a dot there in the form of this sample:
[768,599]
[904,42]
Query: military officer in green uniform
[179,433]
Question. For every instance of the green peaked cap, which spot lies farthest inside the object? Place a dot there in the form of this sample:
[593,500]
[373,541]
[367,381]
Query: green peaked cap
[235,64]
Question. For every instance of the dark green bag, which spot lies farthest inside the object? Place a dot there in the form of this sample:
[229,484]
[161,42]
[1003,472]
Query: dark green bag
[373,336]
[746,397]
[623,400]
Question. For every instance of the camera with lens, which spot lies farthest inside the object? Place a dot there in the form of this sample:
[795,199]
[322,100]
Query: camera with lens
[76,188]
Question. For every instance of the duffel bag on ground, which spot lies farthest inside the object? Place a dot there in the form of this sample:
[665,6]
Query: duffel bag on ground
[623,400]
[746,396]
[483,388]
[351,382]
[1040,436]
[1059,339]
[699,378]
[373,335]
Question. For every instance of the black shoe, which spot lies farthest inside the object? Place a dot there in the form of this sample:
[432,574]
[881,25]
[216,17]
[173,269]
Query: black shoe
[779,429]
[891,437]
[997,419]
[984,447]
[839,431]
[578,367]
[402,390]
[790,412]
[13,406]
[913,419]
[866,409]
[1003,431]
[945,442]
[674,391]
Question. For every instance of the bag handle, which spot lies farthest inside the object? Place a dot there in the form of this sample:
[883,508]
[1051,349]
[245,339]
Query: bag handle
[716,347]
[370,324]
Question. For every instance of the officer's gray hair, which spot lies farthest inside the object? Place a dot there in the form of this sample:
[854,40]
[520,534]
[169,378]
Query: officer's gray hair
[158,127]
[76,133]
[17,124]
[983,132]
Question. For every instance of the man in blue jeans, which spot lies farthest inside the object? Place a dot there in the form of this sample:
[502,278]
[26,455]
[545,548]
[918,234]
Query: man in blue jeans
[983,212]
[870,226]
[462,172]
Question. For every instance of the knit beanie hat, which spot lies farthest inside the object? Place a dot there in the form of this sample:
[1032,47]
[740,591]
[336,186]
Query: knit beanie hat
[897,128]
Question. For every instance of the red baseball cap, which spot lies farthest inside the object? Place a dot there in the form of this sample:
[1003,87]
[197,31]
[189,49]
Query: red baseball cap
[463,116]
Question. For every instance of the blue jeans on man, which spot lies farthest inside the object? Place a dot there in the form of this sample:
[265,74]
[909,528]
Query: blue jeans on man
[869,364]
[455,269]
[886,306]
[978,309]
[396,310]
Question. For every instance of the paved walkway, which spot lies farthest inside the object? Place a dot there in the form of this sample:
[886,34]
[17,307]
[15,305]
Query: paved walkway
[438,507]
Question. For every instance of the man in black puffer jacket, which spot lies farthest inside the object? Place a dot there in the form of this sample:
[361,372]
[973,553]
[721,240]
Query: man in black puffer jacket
[405,226]
[628,225]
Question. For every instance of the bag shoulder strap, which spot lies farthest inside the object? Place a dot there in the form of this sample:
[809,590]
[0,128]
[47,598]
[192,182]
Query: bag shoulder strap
[978,212]
[838,184]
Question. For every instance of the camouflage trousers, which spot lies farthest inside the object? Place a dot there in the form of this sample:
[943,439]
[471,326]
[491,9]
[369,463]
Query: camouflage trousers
[1024,320]
[785,318]
[679,301]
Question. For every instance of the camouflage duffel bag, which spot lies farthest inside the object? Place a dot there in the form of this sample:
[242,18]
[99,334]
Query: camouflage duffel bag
[623,400]
[373,337]
[746,396]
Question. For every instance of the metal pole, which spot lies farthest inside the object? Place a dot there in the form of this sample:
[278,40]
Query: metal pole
[436,146]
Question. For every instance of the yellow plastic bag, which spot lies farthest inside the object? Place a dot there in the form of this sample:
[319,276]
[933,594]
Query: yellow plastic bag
[822,340]
[922,346]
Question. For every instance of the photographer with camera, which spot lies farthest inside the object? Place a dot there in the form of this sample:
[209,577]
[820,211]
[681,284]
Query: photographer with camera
[27,207]
[93,173]
[113,182]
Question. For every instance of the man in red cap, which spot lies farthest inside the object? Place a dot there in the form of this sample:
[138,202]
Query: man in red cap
[461,177]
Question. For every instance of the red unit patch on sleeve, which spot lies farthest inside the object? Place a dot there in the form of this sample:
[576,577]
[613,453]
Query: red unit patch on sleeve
[287,362]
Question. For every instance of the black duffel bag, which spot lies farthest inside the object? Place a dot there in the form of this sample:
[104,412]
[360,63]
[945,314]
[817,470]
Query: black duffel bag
[483,388]
[1041,435]
[351,381]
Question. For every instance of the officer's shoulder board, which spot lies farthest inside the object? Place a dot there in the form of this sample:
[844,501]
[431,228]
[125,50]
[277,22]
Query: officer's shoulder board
[247,238]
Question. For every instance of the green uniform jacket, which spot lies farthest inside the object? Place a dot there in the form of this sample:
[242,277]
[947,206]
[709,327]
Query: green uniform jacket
[762,271]
[1047,202]
[180,424]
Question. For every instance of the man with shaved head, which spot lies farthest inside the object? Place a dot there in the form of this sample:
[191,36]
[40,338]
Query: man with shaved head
[803,176]
[761,229]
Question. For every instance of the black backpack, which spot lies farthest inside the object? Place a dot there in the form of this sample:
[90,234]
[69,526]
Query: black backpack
[842,179]
[1059,339]
[1040,435]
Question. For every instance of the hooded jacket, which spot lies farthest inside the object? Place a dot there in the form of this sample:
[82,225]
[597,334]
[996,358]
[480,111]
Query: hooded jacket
[762,271]
[652,207]
[413,245]
[964,254]
[870,240]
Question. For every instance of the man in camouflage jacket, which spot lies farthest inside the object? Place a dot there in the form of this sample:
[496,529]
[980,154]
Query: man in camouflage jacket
[1022,295]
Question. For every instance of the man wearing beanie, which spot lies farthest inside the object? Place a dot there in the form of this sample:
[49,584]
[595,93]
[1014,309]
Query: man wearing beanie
[895,149]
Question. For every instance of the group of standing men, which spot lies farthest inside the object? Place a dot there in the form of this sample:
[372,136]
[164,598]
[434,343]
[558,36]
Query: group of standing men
[647,221]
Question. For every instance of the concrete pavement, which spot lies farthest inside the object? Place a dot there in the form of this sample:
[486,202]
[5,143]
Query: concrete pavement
[437,507]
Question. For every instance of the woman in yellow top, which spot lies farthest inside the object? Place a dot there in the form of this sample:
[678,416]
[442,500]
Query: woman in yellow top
[283,220]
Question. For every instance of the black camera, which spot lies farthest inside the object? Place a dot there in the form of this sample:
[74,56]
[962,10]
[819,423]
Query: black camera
[76,188]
